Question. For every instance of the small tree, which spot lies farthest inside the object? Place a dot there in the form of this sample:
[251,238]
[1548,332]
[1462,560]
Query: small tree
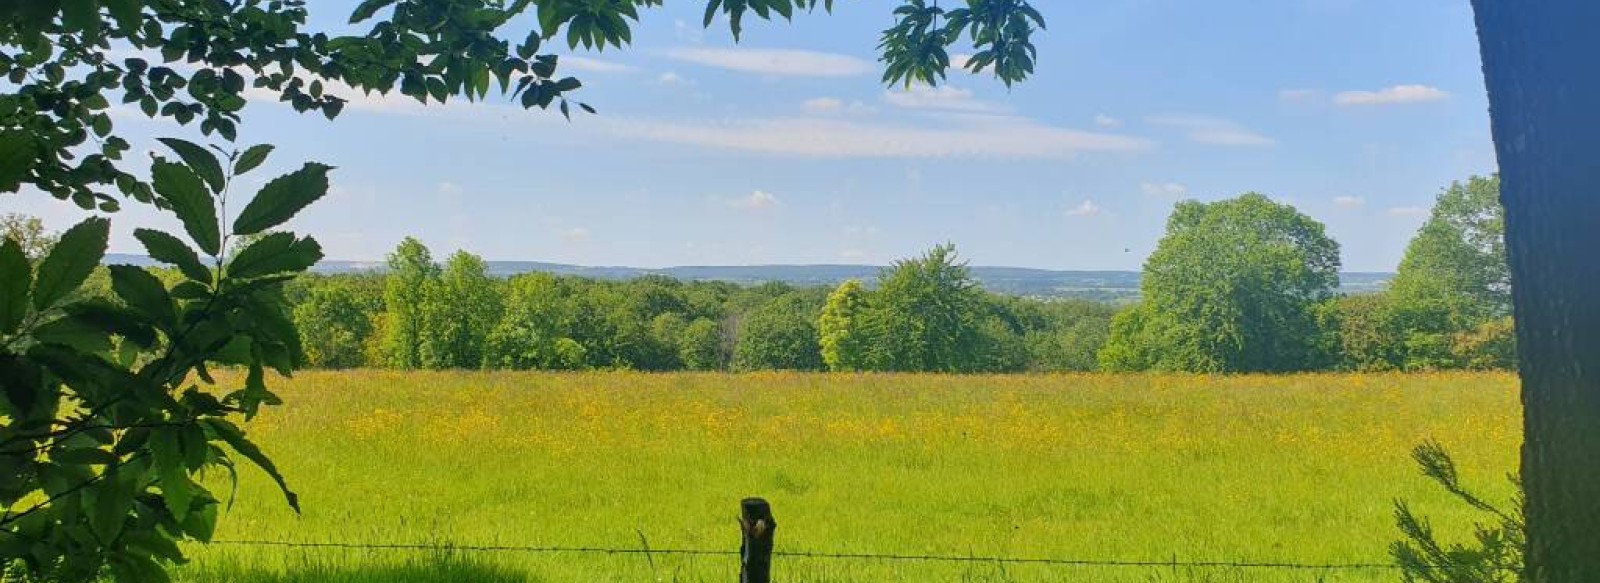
[781,335]
[845,342]
[411,273]
[925,315]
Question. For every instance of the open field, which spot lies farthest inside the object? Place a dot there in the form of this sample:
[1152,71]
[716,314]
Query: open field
[1296,468]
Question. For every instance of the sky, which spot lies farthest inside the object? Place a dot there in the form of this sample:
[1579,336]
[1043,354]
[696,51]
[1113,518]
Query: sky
[787,148]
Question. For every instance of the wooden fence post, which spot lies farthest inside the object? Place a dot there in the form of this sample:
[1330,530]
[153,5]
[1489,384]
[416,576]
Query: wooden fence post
[755,550]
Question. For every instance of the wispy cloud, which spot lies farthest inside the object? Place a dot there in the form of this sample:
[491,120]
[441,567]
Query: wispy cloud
[1399,94]
[1349,202]
[780,62]
[1407,211]
[1213,130]
[1087,209]
[1106,121]
[817,137]
[592,65]
[1163,188]
[943,97]
[670,78]
[755,201]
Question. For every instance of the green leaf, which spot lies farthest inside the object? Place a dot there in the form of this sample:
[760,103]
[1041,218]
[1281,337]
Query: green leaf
[167,452]
[282,198]
[131,568]
[70,331]
[154,544]
[368,8]
[143,292]
[16,276]
[112,319]
[191,201]
[252,158]
[200,160]
[201,522]
[84,457]
[235,438]
[70,262]
[112,501]
[17,155]
[172,251]
[275,253]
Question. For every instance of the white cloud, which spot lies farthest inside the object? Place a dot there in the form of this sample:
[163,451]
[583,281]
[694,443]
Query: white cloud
[1299,95]
[758,200]
[576,235]
[943,97]
[1349,202]
[852,254]
[823,105]
[1408,211]
[968,136]
[1106,121]
[591,65]
[1087,209]
[1163,188]
[1213,130]
[1399,94]
[781,62]
[450,189]
[670,78]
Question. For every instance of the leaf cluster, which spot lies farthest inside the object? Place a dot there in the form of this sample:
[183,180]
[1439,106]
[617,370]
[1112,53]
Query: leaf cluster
[111,407]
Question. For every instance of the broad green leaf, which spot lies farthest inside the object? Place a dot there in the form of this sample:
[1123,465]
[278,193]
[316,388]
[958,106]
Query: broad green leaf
[113,319]
[252,158]
[166,450]
[172,251]
[153,544]
[70,262]
[201,522]
[133,568]
[200,160]
[189,199]
[70,331]
[83,456]
[17,154]
[113,500]
[275,253]
[235,438]
[368,8]
[16,276]
[143,292]
[282,198]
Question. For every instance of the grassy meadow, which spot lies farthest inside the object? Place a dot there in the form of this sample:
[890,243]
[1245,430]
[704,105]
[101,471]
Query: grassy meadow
[1253,468]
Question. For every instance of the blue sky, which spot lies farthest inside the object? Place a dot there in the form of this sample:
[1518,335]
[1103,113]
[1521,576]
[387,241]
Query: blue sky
[785,148]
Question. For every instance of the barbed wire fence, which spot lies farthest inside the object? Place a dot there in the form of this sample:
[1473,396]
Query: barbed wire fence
[756,552]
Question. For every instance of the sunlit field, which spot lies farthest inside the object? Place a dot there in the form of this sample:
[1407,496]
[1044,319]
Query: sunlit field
[1299,469]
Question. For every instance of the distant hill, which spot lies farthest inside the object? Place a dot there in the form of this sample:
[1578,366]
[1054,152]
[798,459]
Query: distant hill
[1096,285]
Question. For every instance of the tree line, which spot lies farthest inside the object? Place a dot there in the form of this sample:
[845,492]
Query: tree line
[1238,285]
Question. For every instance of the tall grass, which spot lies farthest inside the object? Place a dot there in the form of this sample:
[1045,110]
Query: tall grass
[1191,468]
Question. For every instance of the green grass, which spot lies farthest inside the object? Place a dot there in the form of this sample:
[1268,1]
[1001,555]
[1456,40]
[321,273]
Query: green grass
[1186,468]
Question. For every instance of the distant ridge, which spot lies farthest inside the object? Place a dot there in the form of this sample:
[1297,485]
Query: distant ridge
[1020,281]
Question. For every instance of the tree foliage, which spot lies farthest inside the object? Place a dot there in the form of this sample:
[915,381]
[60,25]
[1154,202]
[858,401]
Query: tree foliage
[111,407]
[1454,278]
[844,337]
[1232,287]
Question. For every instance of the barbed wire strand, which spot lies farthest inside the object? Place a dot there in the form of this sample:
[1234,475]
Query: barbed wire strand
[812,555]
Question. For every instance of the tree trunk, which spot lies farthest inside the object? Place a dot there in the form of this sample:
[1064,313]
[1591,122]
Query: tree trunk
[1540,63]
